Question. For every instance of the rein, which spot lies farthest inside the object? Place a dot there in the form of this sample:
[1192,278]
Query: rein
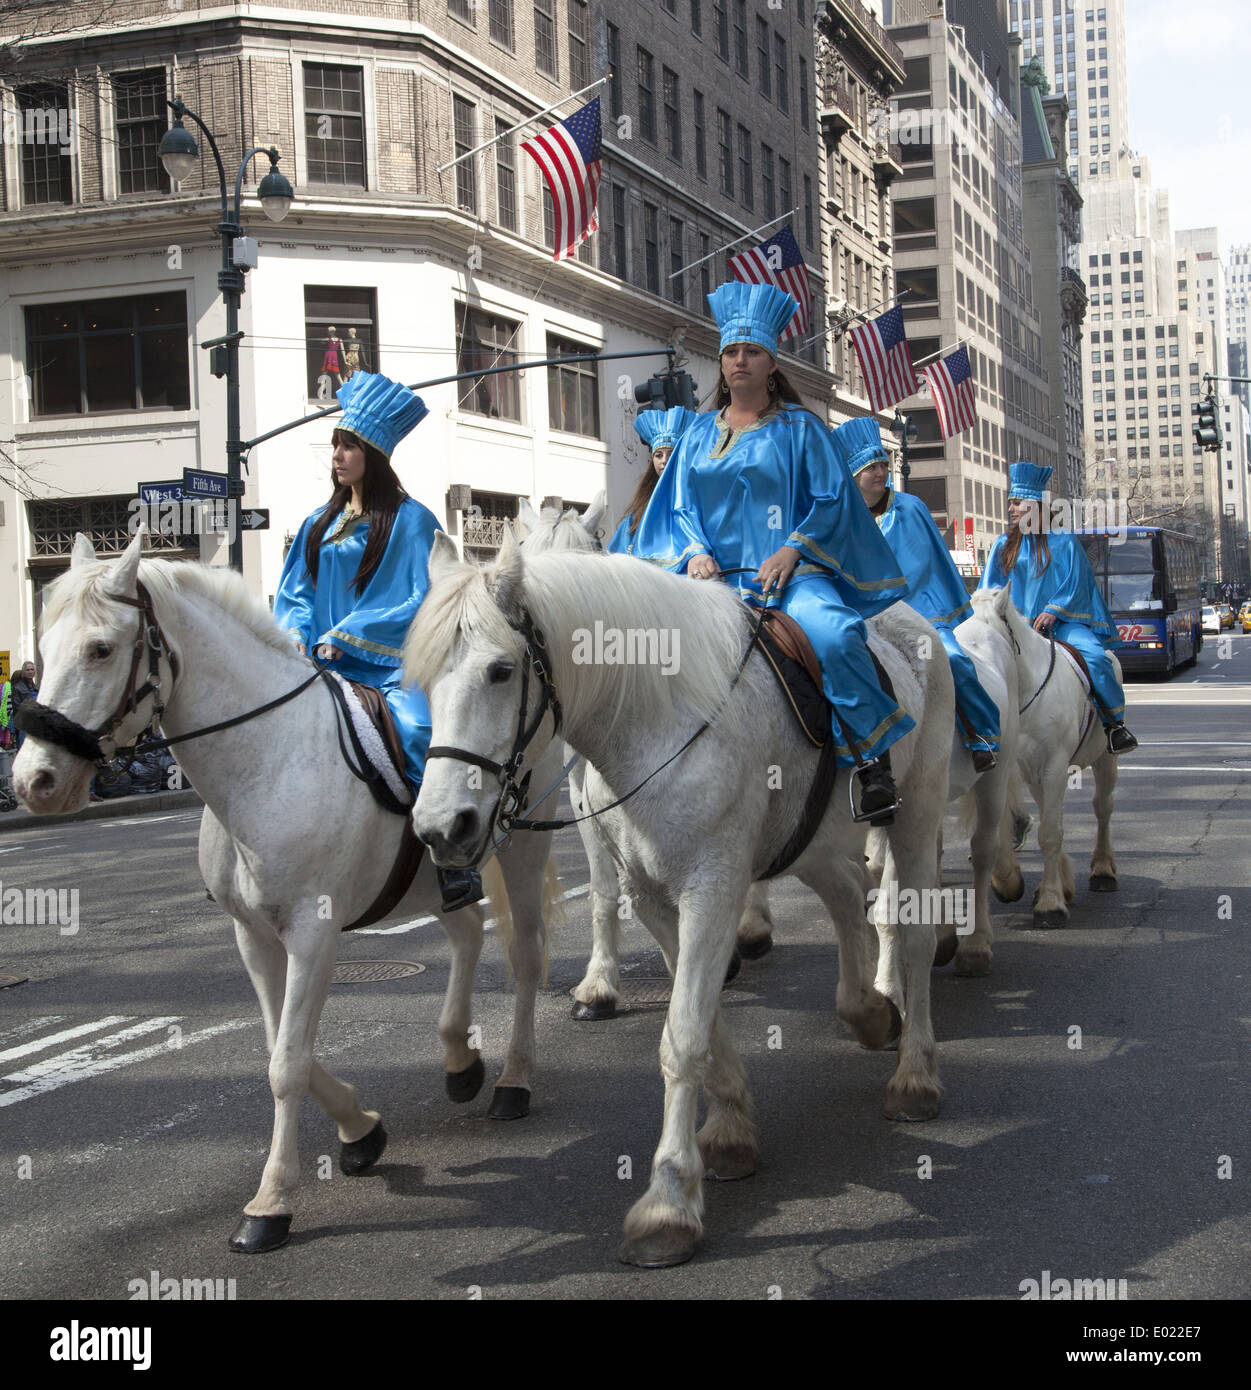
[1051,666]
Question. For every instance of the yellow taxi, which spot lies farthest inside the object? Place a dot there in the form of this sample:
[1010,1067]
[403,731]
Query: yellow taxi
[1227,614]
[1244,616]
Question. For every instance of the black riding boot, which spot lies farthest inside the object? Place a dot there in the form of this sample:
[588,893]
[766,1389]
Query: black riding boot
[459,887]
[879,797]
[1120,740]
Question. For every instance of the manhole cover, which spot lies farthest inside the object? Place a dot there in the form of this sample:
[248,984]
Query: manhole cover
[641,992]
[364,972]
[7,980]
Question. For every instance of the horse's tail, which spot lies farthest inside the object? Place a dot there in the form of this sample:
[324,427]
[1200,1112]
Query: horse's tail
[502,913]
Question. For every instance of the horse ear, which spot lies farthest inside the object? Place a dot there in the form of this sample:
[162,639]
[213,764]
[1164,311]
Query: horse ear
[527,516]
[1003,600]
[594,514]
[125,575]
[443,557]
[83,551]
[504,579]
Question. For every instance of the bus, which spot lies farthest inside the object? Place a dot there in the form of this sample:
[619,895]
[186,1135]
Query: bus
[1150,580]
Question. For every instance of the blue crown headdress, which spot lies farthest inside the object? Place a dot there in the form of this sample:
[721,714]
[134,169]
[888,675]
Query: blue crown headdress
[378,410]
[661,429]
[1028,480]
[860,441]
[751,314]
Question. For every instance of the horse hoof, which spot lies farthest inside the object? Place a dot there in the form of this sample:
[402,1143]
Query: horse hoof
[945,949]
[911,1109]
[1053,917]
[672,1245]
[462,1086]
[735,965]
[972,967]
[729,1165]
[256,1235]
[755,948]
[362,1153]
[1013,896]
[1103,883]
[595,1012]
[509,1103]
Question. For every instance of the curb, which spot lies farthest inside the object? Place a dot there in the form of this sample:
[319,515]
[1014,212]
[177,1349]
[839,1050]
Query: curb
[23,820]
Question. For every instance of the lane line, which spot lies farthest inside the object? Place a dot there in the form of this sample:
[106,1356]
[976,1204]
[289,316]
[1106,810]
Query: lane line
[32,1025]
[89,1052]
[98,1066]
[40,1043]
[1172,767]
[425,921]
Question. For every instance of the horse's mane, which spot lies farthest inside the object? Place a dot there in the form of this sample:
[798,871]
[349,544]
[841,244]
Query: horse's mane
[1005,618]
[557,531]
[81,590]
[568,594]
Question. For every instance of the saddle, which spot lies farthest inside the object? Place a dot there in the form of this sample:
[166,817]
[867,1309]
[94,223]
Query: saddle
[1079,664]
[383,780]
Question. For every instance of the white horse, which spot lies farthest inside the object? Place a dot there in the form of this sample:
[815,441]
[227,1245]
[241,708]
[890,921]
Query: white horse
[691,839]
[598,993]
[1060,732]
[292,845]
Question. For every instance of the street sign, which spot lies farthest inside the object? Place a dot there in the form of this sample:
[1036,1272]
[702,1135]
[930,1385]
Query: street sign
[152,494]
[196,483]
[257,519]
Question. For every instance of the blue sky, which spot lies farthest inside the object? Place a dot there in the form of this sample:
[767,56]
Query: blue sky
[1189,70]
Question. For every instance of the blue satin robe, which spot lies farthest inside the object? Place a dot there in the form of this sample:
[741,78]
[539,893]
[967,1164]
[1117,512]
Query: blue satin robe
[739,496]
[937,592]
[1066,588]
[368,628]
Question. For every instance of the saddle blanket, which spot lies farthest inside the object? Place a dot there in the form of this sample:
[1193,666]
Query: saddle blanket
[1078,665]
[371,741]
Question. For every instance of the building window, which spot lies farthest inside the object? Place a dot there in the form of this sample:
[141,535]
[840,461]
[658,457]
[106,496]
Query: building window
[505,177]
[647,97]
[673,120]
[764,71]
[697,18]
[781,78]
[740,39]
[103,355]
[340,337]
[549,219]
[620,248]
[721,24]
[486,525]
[808,211]
[545,37]
[463,141]
[705,271]
[462,10]
[486,340]
[784,184]
[142,120]
[334,124]
[745,186]
[701,151]
[500,22]
[677,250]
[767,189]
[614,65]
[44,131]
[579,44]
[572,390]
[651,246]
[803,91]
[725,151]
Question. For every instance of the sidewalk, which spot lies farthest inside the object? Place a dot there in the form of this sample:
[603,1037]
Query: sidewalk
[21,819]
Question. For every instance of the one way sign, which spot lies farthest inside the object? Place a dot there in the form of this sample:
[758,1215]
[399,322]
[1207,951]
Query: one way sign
[255,520]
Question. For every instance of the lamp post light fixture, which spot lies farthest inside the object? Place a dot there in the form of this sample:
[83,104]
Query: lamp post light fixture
[179,153]
[904,429]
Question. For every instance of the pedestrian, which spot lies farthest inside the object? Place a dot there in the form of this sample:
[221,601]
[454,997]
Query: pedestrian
[24,688]
[935,588]
[8,801]
[356,572]
[1054,587]
[759,469]
[660,430]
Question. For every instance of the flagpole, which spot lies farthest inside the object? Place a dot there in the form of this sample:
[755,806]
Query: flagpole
[737,239]
[486,144]
[943,352]
[845,323]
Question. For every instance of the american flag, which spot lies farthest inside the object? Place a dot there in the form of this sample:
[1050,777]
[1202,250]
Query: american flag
[779,262]
[951,385]
[569,157]
[882,347]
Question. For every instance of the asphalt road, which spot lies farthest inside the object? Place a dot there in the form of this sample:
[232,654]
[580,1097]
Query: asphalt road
[135,1112]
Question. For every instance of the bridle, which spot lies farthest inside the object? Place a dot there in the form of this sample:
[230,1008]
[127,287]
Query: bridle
[50,725]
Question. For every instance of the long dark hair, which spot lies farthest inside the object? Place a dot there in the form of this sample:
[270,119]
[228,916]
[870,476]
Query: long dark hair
[1012,548]
[381,495]
[643,494]
[780,390]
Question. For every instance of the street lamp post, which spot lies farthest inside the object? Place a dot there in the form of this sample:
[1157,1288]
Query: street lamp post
[903,428]
[179,153]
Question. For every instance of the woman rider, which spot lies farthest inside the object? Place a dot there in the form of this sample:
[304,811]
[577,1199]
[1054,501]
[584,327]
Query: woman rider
[1054,586]
[757,484]
[935,588]
[356,572]
[660,430]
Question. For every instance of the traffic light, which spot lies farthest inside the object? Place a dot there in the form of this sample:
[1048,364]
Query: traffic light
[666,390]
[1208,430]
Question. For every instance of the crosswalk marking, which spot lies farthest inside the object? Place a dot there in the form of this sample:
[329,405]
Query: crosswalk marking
[400,928]
[14,1052]
[98,1056]
[32,1025]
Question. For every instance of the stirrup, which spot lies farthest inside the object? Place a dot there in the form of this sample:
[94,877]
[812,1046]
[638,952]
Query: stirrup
[875,777]
[459,887]
[1120,740]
